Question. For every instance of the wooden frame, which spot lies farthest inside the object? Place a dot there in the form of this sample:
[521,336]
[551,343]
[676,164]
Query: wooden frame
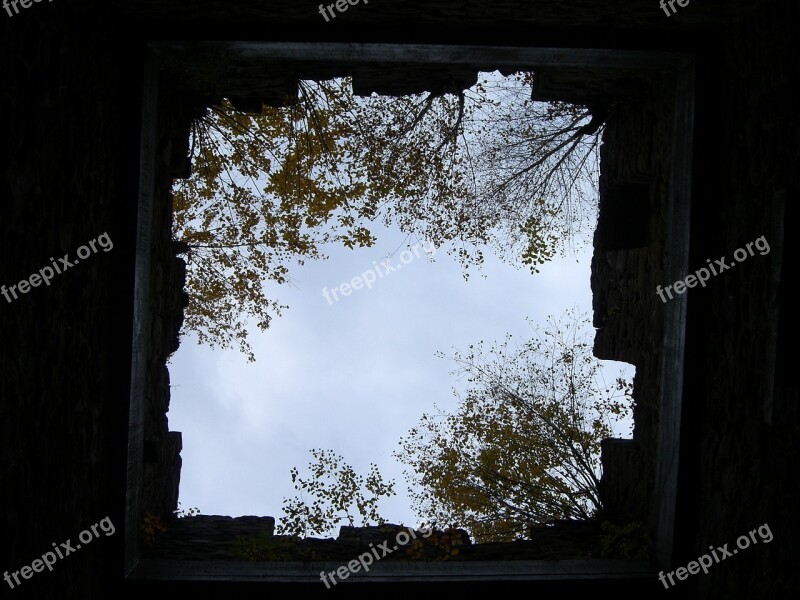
[681,66]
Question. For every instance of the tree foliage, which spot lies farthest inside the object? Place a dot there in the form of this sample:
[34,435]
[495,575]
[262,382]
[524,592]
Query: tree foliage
[265,192]
[486,167]
[523,446]
[336,494]
[489,167]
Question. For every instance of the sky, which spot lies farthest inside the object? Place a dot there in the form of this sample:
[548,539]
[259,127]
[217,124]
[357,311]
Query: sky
[352,375]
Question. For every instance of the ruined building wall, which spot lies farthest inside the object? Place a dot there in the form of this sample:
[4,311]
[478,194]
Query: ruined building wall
[628,262]
[71,100]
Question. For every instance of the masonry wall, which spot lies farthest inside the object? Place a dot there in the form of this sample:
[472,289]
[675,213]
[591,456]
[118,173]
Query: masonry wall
[630,242]
[70,100]
[69,94]
[741,419]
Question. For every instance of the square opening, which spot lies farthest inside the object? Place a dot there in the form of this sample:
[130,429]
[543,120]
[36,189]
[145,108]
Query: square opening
[319,57]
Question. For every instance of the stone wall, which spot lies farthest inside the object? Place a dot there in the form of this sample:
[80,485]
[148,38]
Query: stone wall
[162,447]
[739,452]
[630,243]
[71,100]
[214,537]
[69,97]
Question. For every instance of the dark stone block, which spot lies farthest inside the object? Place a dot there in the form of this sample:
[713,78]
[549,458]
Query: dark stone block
[624,220]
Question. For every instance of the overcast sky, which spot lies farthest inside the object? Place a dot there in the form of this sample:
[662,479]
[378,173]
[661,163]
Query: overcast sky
[353,375]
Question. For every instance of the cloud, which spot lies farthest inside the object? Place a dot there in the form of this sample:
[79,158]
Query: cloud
[352,376]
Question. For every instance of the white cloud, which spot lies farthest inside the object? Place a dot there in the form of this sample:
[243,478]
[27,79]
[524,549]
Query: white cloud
[352,376]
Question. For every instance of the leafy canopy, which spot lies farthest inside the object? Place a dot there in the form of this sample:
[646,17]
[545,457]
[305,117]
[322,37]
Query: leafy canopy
[336,494]
[488,166]
[523,446]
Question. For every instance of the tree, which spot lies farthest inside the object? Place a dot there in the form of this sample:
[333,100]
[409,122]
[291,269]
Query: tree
[264,193]
[523,446]
[487,166]
[339,494]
